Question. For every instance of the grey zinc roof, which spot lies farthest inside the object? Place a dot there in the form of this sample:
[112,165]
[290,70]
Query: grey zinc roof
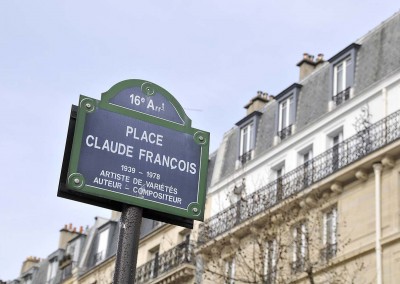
[377,57]
[379,54]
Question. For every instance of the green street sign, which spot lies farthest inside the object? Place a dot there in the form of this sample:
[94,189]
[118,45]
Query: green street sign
[136,146]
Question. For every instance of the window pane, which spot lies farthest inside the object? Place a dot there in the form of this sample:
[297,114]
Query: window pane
[339,78]
[291,111]
[102,247]
[284,115]
[348,74]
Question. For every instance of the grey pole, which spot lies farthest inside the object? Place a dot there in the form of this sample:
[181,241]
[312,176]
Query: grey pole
[128,244]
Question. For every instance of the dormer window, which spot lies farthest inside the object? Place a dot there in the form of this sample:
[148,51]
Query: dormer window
[52,270]
[246,143]
[343,67]
[286,118]
[286,112]
[247,137]
[102,246]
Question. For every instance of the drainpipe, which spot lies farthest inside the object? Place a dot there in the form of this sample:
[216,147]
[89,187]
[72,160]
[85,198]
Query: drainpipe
[378,247]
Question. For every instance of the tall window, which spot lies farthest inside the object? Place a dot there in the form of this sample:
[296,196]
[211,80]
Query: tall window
[154,255]
[337,150]
[299,247]
[343,73]
[286,117]
[270,261]
[307,167]
[341,76]
[102,246]
[246,143]
[230,271]
[329,234]
[279,182]
[52,270]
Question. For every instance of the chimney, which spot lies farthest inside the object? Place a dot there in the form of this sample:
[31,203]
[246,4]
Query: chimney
[29,263]
[258,102]
[66,234]
[319,60]
[308,65]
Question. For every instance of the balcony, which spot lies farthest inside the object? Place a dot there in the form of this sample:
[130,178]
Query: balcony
[99,257]
[375,137]
[341,97]
[174,265]
[245,157]
[285,132]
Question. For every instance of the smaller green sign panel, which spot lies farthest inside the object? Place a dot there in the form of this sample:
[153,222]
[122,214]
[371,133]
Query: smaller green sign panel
[136,146]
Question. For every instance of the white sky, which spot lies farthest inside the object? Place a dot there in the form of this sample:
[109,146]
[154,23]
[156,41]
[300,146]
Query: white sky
[212,56]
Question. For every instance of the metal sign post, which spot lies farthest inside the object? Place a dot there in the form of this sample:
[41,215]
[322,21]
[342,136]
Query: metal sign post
[128,244]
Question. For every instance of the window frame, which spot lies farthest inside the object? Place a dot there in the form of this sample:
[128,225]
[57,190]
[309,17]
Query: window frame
[337,148]
[299,252]
[348,73]
[279,173]
[229,273]
[270,260]
[329,243]
[250,123]
[100,250]
[289,97]
[52,269]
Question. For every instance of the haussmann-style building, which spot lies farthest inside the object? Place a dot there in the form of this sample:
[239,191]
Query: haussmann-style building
[305,188]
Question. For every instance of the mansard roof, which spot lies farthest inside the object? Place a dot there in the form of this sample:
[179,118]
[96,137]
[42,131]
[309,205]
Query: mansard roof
[377,56]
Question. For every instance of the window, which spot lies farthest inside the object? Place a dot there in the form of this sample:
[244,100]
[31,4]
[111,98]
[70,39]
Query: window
[299,247]
[279,172]
[52,270]
[185,246]
[341,80]
[247,137]
[329,234]
[154,255]
[246,143]
[306,161]
[286,117]
[102,246]
[270,261]
[230,271]
[342,70]
[286,111]
[337,150]
[26,280]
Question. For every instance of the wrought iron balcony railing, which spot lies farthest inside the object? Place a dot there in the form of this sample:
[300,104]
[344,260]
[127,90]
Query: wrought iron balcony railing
[245,157]
[339,98]
[98,257]
[285,132]
[178,255]
[341,155]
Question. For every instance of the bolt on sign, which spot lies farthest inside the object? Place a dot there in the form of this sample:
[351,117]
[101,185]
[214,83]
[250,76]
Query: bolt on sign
[136,146]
